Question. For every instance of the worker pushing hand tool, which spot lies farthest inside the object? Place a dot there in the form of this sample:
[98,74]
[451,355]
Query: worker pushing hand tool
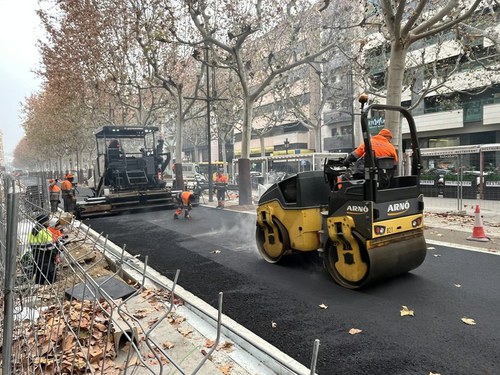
[185,202]
[365,228]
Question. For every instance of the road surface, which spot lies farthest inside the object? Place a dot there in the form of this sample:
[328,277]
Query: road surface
[281,303]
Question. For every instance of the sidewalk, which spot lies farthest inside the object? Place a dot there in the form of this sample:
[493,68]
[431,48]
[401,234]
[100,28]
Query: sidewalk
[446,222]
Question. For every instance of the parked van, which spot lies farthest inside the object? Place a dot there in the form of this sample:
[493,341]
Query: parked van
[190,174]
[189,171]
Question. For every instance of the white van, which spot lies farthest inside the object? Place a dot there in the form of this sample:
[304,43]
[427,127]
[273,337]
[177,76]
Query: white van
[190,174]
[189,171]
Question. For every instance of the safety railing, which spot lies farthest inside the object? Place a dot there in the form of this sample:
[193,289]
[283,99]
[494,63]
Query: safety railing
[461,173]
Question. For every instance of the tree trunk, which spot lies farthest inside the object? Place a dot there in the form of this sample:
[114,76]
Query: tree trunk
[178,132]
[179,178]
[195,153]
[224,156]
[317,137]
[315,105]
[244,181]
[394,84]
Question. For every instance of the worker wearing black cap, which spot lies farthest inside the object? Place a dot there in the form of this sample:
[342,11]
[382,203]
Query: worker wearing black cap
[44,250]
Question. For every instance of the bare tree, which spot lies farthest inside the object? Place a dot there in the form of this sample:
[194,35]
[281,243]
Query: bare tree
[258,41]
[177,72]
[403,23]
[227,109]
[322,86]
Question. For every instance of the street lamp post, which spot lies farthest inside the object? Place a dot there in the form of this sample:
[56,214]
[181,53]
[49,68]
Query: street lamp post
[208,99]
[210,181]
[286,143]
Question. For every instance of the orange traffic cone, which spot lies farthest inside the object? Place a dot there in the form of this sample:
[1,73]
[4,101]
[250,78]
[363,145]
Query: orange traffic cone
[478,231]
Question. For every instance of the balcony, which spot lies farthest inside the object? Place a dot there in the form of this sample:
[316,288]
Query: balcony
[437,121]
[491,114]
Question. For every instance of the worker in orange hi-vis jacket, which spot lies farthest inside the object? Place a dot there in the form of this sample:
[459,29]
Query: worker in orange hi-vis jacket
[220,189]
[68,193]
[381,145]
[185,202]
[54,194]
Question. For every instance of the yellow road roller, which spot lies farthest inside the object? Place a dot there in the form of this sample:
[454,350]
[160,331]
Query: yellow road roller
[366,229]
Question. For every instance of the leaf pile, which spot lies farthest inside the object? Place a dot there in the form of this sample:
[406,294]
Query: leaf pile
[68,340]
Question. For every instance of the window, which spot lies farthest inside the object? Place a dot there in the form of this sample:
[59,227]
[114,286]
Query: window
[444,142]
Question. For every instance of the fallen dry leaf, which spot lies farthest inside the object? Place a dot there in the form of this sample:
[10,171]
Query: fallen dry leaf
[407,312]
[168,345]
[209,343]
[186,332]
[140,314]
[355,331]
[323,306]
[152,322]
[227,346]
[226,370]
[179,320]
[469,321]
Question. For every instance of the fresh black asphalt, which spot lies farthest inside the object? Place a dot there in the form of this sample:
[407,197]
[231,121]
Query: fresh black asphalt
[450,285]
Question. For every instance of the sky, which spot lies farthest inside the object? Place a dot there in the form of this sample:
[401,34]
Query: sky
[19,30]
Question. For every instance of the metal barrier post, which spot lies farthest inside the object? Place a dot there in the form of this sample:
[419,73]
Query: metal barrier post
[10,272]
[314,357]
[2,220]
[459,185]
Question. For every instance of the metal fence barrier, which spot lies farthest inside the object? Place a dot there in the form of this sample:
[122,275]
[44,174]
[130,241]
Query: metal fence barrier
[461,172]
[93,318]
[88,320]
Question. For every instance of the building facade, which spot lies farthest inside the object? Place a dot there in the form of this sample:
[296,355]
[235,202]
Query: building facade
[464,110]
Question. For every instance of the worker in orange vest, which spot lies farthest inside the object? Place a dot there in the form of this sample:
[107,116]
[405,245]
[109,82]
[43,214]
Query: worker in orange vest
[68,193]
[58,236]
[381,145]
[185,202]
[220,189]
[54,194]
[56,229]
